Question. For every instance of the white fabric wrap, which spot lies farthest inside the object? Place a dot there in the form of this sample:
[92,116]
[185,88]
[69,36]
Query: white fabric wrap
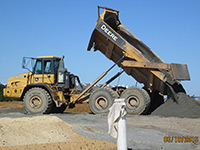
[116,112]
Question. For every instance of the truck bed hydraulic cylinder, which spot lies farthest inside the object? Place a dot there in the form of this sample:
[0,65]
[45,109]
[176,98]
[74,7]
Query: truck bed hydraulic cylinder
[98,79]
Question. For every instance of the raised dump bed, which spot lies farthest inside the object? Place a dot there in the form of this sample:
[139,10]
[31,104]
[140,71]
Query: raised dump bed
[116,42]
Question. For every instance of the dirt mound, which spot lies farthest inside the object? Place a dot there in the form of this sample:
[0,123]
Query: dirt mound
[44,132]
[183,107]
[39,129]
[81,143]
[80,108]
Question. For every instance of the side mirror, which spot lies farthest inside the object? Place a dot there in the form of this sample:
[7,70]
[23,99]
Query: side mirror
[23,63]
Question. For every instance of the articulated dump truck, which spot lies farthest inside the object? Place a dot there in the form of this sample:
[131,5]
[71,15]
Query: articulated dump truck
[136,59]
[50,87]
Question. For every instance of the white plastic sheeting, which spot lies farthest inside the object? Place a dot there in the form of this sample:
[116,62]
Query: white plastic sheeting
[117,123]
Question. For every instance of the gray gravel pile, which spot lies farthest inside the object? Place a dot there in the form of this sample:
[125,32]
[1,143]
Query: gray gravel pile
[184,107]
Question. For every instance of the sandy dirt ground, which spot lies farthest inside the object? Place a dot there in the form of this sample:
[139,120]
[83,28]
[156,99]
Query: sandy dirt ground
[79,108]
[44,132]
[11,105]
[87,131]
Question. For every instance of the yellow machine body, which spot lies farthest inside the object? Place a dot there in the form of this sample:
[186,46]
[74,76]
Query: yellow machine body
[19,84]
[16,85]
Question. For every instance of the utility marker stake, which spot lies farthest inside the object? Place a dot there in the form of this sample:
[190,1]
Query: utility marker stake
[117,123]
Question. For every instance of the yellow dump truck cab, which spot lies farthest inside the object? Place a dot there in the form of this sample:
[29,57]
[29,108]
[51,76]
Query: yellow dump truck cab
[43,72]
[48,84]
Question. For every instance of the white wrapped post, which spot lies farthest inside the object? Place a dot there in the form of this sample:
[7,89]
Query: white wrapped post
[117,123]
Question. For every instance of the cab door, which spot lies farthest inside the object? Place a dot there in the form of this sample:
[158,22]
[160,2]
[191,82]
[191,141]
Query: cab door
[43,72]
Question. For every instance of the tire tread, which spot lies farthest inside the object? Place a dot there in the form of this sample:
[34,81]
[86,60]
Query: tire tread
[144,93]
[49,99]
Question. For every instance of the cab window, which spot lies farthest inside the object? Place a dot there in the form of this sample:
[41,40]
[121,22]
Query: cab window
[38,67]
[47,67]
[56,64]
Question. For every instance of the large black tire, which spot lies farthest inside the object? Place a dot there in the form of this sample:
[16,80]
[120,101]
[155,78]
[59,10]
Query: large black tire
[137,100]
[101,100]
[38,101]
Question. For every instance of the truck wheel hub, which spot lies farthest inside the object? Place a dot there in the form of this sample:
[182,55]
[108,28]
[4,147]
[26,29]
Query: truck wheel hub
[132,102]
[35,102]
[101,102]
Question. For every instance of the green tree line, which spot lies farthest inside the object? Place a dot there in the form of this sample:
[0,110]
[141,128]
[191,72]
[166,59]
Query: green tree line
[2,98]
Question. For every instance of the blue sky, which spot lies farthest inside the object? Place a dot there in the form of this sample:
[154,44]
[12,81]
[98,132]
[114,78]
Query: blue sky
[171,28]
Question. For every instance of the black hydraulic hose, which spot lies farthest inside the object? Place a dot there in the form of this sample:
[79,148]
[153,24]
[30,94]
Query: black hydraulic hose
[79,82]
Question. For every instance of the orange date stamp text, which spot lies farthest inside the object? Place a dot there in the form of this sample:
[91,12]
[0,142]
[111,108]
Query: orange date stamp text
[181,139]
